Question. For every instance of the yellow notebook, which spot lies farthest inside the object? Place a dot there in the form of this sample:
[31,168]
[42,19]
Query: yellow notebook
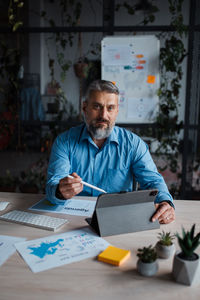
[114,255]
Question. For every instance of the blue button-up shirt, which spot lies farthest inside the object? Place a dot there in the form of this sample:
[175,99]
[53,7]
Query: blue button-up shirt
[113,167]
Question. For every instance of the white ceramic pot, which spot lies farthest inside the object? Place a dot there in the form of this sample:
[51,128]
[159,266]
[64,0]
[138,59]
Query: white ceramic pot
[164,251]
[186,271]
[147,269]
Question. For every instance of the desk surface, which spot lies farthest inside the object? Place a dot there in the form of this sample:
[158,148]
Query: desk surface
[90,279]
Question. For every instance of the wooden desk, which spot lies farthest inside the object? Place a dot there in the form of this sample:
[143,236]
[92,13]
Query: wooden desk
[90,279]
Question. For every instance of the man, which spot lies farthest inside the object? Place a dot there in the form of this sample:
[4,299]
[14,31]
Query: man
[104,155]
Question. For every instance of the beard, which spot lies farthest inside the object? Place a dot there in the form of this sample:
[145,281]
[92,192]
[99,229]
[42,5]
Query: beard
[97,131]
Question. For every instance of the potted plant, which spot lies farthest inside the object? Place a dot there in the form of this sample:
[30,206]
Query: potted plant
[81,68]
[165,247]
[147,263]
[8,182]
[33,180]
[186,266]
[28,182]
[53,85]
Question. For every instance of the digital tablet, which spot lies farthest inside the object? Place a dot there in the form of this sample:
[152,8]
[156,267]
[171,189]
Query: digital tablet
[124,212]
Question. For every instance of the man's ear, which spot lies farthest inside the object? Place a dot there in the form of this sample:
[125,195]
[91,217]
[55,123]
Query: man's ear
[84,105]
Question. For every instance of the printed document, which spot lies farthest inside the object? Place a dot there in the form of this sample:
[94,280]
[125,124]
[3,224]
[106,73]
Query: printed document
[3,205]
[57,250]
[78,207]
[7,246]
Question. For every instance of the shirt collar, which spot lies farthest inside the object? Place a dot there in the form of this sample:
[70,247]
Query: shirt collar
[112,137]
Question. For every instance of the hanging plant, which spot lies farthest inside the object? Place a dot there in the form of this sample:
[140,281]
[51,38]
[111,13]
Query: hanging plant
[148,10]
[172,55]
[70,11]
[13,12]
[9,87]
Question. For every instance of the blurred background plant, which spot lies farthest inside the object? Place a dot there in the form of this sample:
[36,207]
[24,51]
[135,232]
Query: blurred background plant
[13,13]
[33,180]
[8,182]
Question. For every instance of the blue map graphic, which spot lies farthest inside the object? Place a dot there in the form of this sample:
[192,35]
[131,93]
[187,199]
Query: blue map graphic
[46,248]
[47,205]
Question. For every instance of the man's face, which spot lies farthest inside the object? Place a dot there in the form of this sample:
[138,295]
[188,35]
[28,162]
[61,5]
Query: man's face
[100,112]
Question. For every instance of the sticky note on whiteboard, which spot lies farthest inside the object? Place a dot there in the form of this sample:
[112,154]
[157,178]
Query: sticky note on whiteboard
[151,79]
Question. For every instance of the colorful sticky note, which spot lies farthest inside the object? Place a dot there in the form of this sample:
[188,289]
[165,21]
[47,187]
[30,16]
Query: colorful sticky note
[127,67]
[151,79]
[139,55]
[142,62]
[139,67]
[113,255]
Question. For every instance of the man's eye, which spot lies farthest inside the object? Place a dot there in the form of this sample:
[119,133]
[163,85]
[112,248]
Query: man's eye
[96,106]
[110,108]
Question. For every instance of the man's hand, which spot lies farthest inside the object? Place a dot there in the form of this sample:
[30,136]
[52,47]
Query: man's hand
[69,187]
[165,213]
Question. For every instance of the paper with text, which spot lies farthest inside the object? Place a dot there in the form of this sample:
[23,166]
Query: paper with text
[7,246]
[3,205]
[78,207]
[57,250]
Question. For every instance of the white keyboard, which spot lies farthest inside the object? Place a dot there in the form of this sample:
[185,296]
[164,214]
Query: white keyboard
[34,220]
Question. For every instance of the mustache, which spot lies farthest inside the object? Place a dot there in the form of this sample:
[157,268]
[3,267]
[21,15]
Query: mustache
[101,120]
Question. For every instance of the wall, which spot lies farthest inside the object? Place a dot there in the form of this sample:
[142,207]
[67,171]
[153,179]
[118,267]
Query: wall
[91,16]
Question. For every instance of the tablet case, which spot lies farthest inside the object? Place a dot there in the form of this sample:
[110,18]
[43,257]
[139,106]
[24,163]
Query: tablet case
[124,212]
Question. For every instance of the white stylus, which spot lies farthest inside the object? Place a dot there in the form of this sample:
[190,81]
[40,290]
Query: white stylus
[90,185]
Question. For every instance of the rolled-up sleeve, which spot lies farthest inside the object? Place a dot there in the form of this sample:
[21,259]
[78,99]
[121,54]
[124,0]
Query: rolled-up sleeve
[146,173]
[59,167]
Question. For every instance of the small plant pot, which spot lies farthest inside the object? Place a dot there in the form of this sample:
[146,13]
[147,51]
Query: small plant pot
[81,69]
[147,269]
[52,88]
[186,271]
[164,251]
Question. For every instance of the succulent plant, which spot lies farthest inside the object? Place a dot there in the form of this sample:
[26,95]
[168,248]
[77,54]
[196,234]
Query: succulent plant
[165,238]
[188,242]
[147,254]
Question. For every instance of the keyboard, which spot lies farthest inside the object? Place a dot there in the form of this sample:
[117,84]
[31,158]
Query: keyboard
[34,220]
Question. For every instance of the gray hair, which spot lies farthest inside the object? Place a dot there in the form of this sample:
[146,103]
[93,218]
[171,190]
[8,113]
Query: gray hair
[101,86]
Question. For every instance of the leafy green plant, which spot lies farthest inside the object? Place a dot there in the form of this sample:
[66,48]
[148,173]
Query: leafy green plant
[10,62]
[172,55]
[9,68]
[165,238]
[67,110]
[35,176]
[147,254]
[70,12]
[8,180]
[13,13]
[188,243]
[30,178]
[148,12]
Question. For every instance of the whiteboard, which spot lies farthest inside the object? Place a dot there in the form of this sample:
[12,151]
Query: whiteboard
[132,62]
